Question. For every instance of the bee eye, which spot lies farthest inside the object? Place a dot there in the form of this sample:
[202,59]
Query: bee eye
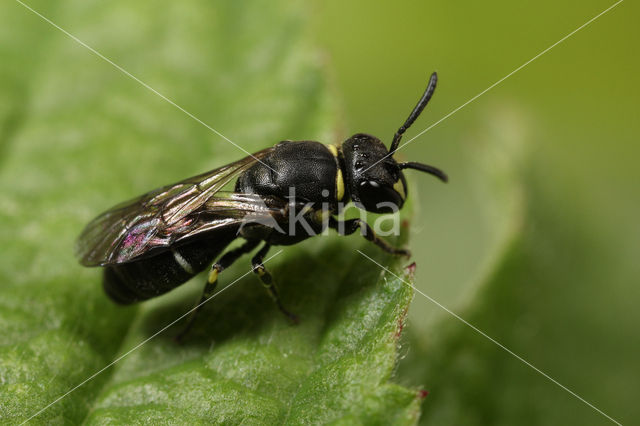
[359,164]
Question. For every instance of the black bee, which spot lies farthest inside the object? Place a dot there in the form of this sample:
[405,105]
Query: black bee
[153,243]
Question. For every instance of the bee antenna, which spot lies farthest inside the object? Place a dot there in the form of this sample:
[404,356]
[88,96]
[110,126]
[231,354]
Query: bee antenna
[425,168]
[424,100]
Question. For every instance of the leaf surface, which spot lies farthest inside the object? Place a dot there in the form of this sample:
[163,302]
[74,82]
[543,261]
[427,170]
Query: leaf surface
[77,135]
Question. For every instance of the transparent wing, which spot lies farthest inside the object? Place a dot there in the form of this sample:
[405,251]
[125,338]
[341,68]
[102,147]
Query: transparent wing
[227,209]
[169,214]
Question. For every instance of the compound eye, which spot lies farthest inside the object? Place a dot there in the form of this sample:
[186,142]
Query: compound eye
[379,198]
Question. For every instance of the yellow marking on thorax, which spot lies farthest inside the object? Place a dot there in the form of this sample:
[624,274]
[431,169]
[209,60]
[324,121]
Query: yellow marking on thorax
[339,185]
[339,178]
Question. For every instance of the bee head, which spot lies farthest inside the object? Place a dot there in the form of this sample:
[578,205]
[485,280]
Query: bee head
[375,180]
[374,177]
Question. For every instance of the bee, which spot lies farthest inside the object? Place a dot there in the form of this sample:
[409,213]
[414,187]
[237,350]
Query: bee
[151,244]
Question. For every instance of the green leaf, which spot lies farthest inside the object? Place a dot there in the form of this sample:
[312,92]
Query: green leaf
[500,139]
[244,362]
[79,136]
[526,299]
[556,283]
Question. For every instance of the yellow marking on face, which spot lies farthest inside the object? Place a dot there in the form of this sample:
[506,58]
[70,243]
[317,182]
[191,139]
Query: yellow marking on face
[339,185]
[333,149]
[213,276]
[399,187]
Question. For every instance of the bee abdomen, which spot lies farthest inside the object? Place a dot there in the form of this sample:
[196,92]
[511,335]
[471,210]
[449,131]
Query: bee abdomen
[153,276]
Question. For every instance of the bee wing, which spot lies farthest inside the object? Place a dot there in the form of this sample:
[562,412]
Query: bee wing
[160,217]
[229,209]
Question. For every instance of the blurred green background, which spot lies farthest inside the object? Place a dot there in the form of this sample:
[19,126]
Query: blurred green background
[536,238]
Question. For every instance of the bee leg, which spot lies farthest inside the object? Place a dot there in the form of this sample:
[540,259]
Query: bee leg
[212,281]
[267,281]
[348,227]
